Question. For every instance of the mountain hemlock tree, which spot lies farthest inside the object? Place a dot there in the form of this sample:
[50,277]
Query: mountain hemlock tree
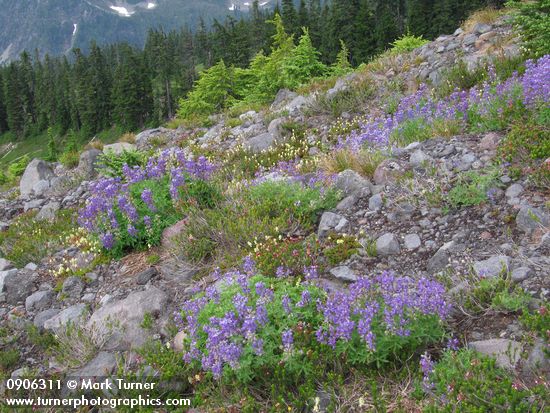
[303,64]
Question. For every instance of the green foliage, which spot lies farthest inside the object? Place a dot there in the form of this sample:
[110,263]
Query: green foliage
[538,321]
[111,164]
[8,360]
[70,159]
[342,64]
[460,77]
[18,167]
[496,293]
[339,248]
[350,100]
[212,93]
[28,240]
[469,382]
[471,188]
[407,43]
[53,151]
[268,209]
[533,20]
[412,130]
[303,63]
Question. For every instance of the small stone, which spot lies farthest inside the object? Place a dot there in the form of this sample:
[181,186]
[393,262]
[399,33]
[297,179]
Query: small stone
[489,142]
[31,266]
[73,287]
[412,241]
[350,182]
[38,301]
[119,147]
[48,211]
[469,39]
[143,277]
[71,314]
[481,28]
[104,364]
[5,264]
[529,219]
[521,274]
[376,202]
[387,244]
[514,191]
[44,316]
[493,266]
[177,342]
[506,352]
[438,261]
[346,203]
[344,273]
[331,222]
[419,159]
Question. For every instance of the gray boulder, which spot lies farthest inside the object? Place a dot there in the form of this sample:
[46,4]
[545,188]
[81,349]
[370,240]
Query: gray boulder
[283,96]
[492,266]
[40,300]
[331,222]
[387,244]
[48,211]
[124,318]
[412,241]
[44,316]
[17,285]
[87,162]
[5,264]
[376,202]
[297,105]
[344,273]
[350,182]
[73,287]
[73,314]
[275,128]
[419,159]
[37,170]
[261,142]
[507,353]
[529,219]
[104,364]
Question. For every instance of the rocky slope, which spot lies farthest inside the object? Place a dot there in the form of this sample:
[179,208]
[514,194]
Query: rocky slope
[399,227]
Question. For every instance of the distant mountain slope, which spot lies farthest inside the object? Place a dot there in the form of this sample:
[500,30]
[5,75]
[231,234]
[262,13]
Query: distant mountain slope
[54,26]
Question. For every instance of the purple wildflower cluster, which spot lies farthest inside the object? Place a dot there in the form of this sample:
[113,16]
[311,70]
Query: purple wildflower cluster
[389,300]
[291,170]
[256,311]
[110,199]
[532,88]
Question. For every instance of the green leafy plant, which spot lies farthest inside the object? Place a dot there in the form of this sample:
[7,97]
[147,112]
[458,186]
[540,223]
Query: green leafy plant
[339,248]
[17,168]
[496,293]
[469,382]
[111,163]
[533,20]
[471,188]
[407,43]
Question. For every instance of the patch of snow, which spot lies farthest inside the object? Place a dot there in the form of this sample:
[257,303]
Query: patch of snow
[232,7]
[6,54]
[263,3]
[75,27]
[123,11]
[151,5]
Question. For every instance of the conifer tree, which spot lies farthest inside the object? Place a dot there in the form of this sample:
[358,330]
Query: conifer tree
[303,64]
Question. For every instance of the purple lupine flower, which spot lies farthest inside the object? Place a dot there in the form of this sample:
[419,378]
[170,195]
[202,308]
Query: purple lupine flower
[258,346]
[305,299]
[147,198]
[288,339]
[286,302]
[108,240]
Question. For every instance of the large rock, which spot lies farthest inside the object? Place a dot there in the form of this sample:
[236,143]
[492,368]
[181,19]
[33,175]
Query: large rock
[506,352]
[283,96]
[492,266]
[44,316]
[276,127]
[529,219]
[297,105]
[344,273]
[48,211]
[5,264]
[17,285]
[73,287]
[261,142]
[419,159]
[37,170]
[144,138]
[40,300]
[104,364]
[87,162]
[73,314]
[441,258]
[387,244]
[350,182]
[119,147]
[124,318]
[331,222]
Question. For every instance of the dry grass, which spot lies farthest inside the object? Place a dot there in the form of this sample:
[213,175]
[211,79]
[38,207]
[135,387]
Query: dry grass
[128,138]
[486,16]
[94,144]
[362,162]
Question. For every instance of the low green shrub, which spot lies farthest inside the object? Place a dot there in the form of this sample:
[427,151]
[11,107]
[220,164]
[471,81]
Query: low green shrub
[471,188]
[407,43]
[111,164]
[533,20]
[17,168]
[468,382]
